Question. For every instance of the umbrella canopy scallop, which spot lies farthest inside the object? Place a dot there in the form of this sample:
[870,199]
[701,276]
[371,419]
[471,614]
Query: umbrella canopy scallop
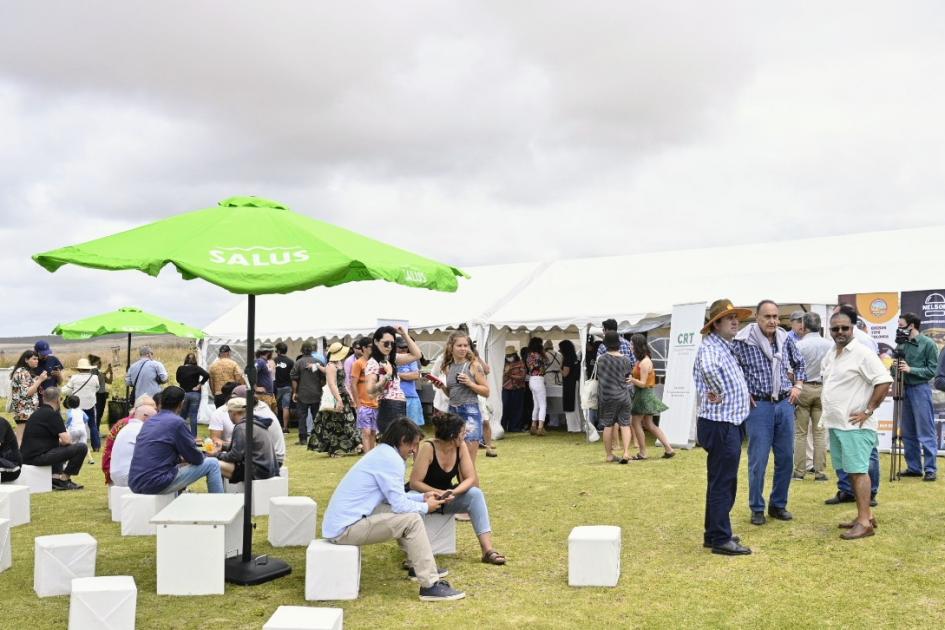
[125,320]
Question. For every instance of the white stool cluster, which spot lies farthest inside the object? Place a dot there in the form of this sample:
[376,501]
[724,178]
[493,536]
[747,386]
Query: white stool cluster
[332,572]
[59,559]
[594,556]
[15,504]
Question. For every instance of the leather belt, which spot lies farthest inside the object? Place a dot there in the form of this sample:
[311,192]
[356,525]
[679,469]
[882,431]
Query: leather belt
[770,398]
[813,382]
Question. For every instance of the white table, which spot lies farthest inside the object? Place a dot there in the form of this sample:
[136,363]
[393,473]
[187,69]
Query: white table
[195,534]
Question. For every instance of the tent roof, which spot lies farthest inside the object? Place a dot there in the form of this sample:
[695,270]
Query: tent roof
[587,290]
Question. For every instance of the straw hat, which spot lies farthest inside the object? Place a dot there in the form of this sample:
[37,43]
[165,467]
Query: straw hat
[83,364]
[510,350]
[337,351]
[720,309]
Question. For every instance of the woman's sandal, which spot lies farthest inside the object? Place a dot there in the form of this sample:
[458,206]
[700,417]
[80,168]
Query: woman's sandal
[493,557]
[638,458]
[669,455]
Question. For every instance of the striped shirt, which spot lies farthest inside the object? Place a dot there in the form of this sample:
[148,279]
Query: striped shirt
[757,368]
[716,370]
[612,375]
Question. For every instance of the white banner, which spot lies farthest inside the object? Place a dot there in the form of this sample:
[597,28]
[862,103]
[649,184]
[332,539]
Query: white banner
[679,392]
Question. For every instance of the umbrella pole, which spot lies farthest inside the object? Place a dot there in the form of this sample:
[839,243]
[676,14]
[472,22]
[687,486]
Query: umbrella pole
[244,569]
[127,367]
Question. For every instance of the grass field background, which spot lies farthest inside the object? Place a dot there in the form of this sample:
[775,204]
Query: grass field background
[801,574]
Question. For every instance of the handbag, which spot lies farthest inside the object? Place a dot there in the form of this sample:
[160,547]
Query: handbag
[327,402]
[589,391]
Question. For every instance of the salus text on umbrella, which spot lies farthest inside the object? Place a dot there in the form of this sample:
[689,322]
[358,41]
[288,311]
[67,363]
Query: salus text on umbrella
[247,257]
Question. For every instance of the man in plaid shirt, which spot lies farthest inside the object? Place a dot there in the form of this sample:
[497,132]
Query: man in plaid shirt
[767,356]
[723,406]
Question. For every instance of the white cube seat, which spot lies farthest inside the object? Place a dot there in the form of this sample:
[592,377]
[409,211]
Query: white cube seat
[305,618]
[263,490]
[115,493]
[441,530]
[107,602]
[37,478]
[594,556]
[6,542]
[332,572]
[15,504]
[284,471]
[137,510]
[292,521]
[59,559]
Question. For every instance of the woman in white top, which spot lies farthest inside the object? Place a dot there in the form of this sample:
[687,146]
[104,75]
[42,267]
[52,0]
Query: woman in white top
[84,385]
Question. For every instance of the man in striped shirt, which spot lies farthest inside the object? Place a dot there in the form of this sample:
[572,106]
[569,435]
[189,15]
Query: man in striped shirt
[723,406]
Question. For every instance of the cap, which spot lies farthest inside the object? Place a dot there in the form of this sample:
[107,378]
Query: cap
[267,347]
[42,347]
[797,316]
[236,404]
[239,392]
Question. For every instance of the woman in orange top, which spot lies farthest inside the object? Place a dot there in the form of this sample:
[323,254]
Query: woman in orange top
[645,402]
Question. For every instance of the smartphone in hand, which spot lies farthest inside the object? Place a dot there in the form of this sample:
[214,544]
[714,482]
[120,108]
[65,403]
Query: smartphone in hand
[444,496]
[433,380]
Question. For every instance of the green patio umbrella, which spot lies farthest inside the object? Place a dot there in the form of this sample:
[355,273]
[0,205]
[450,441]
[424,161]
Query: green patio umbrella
[255,246]
[127,319]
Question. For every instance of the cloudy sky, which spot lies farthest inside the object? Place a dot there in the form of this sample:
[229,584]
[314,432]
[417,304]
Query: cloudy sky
[473,132]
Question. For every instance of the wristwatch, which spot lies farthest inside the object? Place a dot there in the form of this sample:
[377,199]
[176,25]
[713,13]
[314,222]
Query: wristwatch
[868,411]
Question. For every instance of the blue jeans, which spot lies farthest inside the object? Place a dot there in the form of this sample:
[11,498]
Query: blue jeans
[472,501]
[918,428]
[415,410]
[843,479]
[188,474]
[191,407]
[95,433]
[770,428]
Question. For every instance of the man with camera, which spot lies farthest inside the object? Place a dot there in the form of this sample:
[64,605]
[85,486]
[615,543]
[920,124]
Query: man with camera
[917,360]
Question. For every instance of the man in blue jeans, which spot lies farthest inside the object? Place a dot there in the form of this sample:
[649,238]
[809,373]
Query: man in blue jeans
[156,466]
[918,363]
[768,356]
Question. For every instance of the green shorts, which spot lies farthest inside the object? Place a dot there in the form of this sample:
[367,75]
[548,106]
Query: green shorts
[850,450]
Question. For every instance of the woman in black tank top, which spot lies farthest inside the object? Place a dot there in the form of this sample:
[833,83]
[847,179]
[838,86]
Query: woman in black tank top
[443,464]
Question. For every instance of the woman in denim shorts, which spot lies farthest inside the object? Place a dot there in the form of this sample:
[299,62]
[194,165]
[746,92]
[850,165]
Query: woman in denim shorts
[465,382]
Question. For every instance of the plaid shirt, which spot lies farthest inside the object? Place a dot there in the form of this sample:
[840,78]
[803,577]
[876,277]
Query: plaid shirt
[757,369]
[716,370]
[625,349]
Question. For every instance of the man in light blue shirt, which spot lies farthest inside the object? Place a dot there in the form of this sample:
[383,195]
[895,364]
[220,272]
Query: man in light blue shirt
[146,376]
[370,506]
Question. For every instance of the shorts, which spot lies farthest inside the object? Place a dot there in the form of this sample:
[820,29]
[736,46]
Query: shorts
[851,450]
[284,396]
[473,416]
[367,418]
[388,411]
[616,410]
[415,411]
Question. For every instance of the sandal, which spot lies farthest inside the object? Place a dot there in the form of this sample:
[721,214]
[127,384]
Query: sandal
[493,557]
[624,460]
[490,452]
[638,458]
[612,460]
[669,455]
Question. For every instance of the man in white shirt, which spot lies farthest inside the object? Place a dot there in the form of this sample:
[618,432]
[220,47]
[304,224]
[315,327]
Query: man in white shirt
[813,348]
[855,383]
[124,447]
[221,426]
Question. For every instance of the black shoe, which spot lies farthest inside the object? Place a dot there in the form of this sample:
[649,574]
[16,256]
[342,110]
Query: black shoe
[929,476]
[910,473]
[810,470]
[71,485]
[873,501]
[708,545]
[732,548]
[757,518]
[59,484]
[820,477]
[303,439]
[780,513]
[797,476]
[840,497]
[439,592]
[441,572]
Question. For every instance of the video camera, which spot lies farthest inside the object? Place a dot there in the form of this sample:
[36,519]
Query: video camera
[902,336]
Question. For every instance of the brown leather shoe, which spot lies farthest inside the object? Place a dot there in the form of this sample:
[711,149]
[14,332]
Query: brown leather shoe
[853,522]
[857,531]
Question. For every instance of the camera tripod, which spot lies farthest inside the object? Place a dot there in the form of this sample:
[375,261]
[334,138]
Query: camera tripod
[895,443]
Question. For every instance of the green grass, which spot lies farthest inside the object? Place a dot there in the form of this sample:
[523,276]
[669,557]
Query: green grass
[801,573]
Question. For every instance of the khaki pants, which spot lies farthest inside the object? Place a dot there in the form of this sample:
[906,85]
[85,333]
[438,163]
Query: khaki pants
[806,416]
[406,529]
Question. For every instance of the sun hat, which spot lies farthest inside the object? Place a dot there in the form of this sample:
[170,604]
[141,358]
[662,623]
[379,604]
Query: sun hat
[83,364]
[720,309]
[511,350]
[337,351]
[236,404]
[267,347]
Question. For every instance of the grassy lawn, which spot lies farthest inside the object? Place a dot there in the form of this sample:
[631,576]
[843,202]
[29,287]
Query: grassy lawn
[801,573]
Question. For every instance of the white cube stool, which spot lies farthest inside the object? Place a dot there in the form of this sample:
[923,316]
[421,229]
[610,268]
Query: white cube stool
[38,478]
[115,493]
[441,530]
[137,510]
[284,472]
[15,504]
[292,521]
[108,602]
[332,572]
[263,490]
[6,542]
[594,556]
[305,618]
[59,559]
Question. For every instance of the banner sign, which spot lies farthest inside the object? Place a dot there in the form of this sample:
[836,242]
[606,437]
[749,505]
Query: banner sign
[679,392]
[930,307]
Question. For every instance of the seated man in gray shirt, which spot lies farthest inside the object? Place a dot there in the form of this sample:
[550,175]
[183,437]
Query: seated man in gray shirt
[265,465]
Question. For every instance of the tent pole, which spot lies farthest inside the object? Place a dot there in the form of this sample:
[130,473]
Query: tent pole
[128,367]
[244,569]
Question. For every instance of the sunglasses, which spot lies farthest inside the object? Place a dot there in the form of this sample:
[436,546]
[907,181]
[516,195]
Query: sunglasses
[386,344]
[836,329]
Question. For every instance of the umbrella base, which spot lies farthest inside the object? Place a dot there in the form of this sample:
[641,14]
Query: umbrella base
[257,571]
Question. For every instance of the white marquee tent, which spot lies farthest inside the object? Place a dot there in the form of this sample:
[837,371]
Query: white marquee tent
[571,295]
